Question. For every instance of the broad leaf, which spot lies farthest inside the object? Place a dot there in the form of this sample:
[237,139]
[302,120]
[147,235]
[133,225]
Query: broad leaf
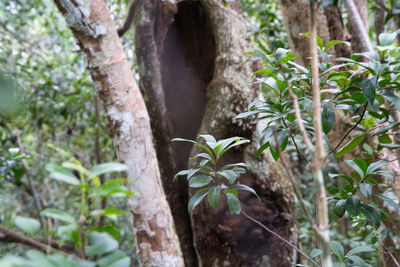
[196,199]
[337,249]
[61,174]
[59,215]
[108,167]
[233,203]
[199,181]
[100,243]
[213,196]
[350,146]
[353,205]
[28,225]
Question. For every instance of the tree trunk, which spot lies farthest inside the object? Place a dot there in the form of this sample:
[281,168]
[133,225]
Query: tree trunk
[296,19]
[91,23]
[195,78]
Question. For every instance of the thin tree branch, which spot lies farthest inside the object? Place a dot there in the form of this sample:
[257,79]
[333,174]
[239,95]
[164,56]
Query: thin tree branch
[8,235]
[279,237]
[129,18]
[349,131]
[319,152]
[300,121]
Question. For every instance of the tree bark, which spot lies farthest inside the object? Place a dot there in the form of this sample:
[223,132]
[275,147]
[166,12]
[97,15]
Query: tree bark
[296,19]
[91,23]
[195,78]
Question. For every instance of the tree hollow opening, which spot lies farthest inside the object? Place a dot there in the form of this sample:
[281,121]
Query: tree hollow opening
[187,66]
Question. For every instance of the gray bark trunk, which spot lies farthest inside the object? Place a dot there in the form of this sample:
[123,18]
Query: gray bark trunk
[91,23]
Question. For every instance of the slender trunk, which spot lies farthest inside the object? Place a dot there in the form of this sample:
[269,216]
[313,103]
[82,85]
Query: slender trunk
[91,23]
[319,153]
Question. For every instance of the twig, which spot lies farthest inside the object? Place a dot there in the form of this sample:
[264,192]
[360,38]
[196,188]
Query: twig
[279,237]
[9,235]
[129,18]
[349,131]
[295,187]
[300,121]
[295,143]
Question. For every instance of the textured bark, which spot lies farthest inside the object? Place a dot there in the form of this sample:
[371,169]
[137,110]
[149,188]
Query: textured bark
[337,30]
[195,76]
[358,25]
[91,23]
[296,19]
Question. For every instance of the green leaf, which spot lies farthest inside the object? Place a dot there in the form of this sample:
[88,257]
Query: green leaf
[359,262]
[213,196]
[337,249]
[328,119]
[393,98]
[274,153]
[115,259]
[196,199]
[199,181]
[106,212]
[59,215]
[320,42]
[233,203]
[356,167]
[193,142]
[358,250]
[230,175]
[350,146]
[61,174]
[114,232]
[28,225]
[371,214]
[387,38]
[368,87]
[262,148]
[366,189]
[375,166]
[315,253]
[389,201]
[108,167]
[334,42]
[387,128]
[100,243]
[353,205]
[246,188]
[340,207]
[37,258]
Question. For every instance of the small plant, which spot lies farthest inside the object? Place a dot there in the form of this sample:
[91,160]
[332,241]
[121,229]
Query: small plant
[220,180]
[93,244]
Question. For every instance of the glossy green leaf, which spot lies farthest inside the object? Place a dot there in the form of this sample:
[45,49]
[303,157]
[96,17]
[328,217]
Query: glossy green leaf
[245,188]
[366,189]
[233,203]
[368,87]
[196,199]
[337,249]
[328,119]
[353,205]
[371,214]
[350,146]
[315,253]
[199,181]
[213,196]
